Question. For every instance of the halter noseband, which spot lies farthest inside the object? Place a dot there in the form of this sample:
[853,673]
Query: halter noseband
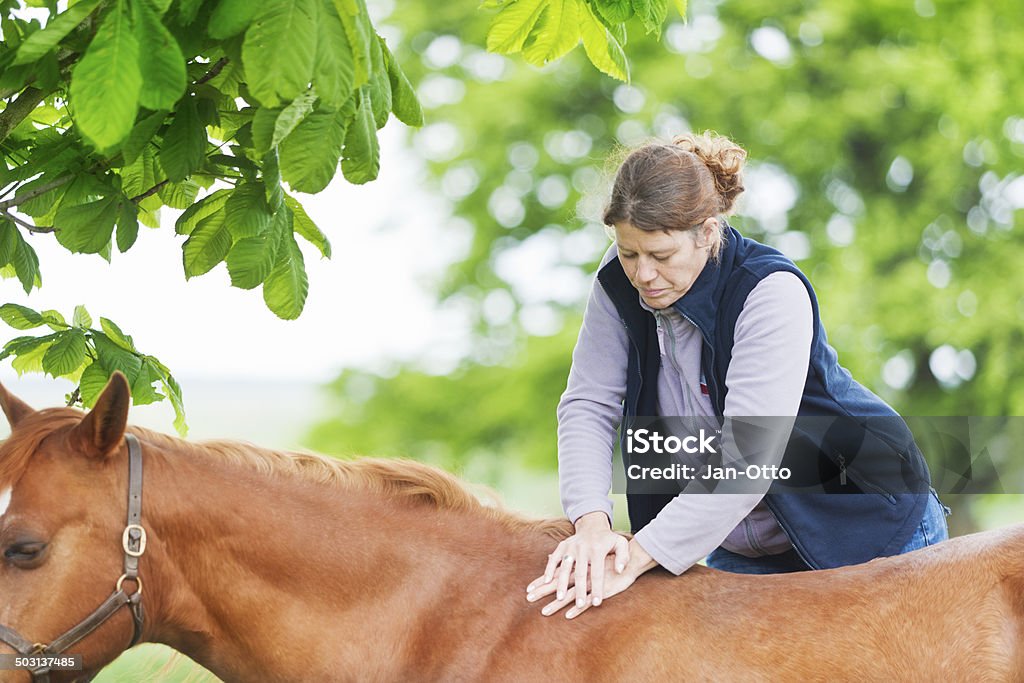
[133,543]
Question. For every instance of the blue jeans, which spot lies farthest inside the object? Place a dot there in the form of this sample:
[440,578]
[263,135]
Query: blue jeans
[931,530]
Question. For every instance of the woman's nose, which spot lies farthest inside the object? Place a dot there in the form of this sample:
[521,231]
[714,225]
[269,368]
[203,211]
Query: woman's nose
[645,271]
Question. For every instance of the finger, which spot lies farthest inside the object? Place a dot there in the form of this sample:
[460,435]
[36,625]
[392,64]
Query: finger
[537,583]
[558,604]
[541,590]
[564,574]
[581,581]
[553,559]
[596,582]
[576,610]
[621,554]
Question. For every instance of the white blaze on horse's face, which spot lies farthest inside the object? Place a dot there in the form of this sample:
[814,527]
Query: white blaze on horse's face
[5,500]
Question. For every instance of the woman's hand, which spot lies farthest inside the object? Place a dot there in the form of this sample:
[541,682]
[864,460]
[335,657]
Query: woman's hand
[589,552]
[614,580]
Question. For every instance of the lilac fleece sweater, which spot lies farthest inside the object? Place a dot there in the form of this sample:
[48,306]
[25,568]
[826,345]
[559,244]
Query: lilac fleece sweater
[765,378]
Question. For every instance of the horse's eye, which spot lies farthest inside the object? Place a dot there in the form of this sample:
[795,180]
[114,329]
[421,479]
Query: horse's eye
[24,553]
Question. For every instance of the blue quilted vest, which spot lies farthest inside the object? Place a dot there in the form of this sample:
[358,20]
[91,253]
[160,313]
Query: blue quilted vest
[827,529]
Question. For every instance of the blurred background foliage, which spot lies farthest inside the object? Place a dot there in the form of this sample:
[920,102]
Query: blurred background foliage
[885,138]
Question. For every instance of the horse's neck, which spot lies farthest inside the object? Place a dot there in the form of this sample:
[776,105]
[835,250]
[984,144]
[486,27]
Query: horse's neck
[248,570]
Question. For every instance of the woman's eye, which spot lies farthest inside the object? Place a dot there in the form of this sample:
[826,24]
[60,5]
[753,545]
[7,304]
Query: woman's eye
[628,256]
[24,552]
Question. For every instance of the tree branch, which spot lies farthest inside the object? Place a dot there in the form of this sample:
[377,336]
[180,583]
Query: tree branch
[32,194]
[20,108]
[214,71]
[150,192]
[25,224]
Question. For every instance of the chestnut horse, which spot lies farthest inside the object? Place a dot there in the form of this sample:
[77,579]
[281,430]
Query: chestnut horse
[267,566]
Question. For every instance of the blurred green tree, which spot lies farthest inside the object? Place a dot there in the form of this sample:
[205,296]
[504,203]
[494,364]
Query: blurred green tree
[885,144]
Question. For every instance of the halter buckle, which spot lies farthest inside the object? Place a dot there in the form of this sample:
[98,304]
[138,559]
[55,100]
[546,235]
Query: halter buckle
[38,649]
[126,540]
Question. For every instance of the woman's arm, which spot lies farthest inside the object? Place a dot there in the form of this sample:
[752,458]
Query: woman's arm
[590,409]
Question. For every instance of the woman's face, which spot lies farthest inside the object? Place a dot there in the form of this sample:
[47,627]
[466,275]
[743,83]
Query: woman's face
[663,264]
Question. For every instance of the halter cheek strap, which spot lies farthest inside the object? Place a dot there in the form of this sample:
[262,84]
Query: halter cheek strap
[133,545]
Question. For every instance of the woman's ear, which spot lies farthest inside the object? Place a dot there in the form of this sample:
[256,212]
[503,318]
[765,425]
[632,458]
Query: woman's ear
[708,233]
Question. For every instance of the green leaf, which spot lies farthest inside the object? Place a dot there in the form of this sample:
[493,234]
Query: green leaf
[127,226]
[652,13]
[602,48]
[272,180]
[356,21]
[179,195]
[205,207]
[263,123]
[106,82]
[141,175]
[231,17]
[20,317]
[54,320]
[173,391]
[286,287]
[66,354]
[41,42]
[161,62]
[681,8]
[558,32]
[292,115]
[206,246]
[81,317]
[309,156]
[26,264]
[361,162]
[305,226]
[280,49]
[87,228]
[187,10]
[31,358]
[184,143]
[513,24]
[380,84]
[92,383]
[334,66]
[142,388]
[403,96]
[113,357]
[245,212]
[614,11]
[8,241]
[140,136]
[20,345]
[115,335]
[251,260]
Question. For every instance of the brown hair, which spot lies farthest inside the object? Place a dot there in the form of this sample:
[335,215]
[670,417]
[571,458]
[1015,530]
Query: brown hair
[677,185]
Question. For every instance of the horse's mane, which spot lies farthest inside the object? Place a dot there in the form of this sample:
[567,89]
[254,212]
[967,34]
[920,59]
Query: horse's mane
[395,478]
[400,479]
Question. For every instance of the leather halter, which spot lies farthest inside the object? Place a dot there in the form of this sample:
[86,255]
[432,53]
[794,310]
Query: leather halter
[133,544]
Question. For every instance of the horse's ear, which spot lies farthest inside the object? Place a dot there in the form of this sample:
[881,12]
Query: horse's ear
[101,431]
[14,408]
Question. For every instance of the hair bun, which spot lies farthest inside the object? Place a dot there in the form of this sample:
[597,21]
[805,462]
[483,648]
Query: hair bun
[723,157]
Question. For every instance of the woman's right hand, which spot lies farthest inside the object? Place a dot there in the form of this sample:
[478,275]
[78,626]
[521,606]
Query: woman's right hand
[581,557]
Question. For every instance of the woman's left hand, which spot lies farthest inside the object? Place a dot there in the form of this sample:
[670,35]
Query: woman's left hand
[614,583]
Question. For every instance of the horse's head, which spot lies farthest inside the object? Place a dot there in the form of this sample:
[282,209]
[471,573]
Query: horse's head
[63,483]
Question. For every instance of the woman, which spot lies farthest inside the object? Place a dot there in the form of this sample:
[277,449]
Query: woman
[689,318]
